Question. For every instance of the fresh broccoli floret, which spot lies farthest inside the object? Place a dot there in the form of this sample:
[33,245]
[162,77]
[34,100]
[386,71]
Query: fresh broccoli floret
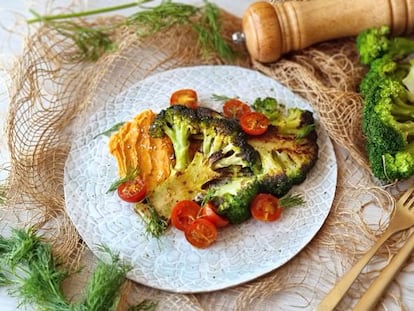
[290,121]
[285,160]
[374,43]
[178,123]
[388,112]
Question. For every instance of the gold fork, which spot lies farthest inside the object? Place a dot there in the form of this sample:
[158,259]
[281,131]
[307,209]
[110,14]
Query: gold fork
[371,297]
[402,219]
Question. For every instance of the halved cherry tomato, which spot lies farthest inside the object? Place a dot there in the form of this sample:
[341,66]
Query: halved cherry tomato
[208,211]
[265,207]
[254,123]
[185,97]
[201,233]
[234,108]
[132,191]
[184,213]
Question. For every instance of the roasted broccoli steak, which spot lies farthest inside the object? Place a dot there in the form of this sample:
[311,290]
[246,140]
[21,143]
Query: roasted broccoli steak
[214,160]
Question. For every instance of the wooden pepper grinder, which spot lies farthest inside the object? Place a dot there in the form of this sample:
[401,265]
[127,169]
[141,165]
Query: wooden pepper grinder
[271,29]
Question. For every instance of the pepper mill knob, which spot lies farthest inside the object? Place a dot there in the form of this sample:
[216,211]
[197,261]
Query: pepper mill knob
[273,29]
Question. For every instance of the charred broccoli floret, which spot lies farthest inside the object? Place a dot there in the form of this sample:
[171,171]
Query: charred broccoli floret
[290,121]
[178,123]
[285,160]
[225,145]
[233,196]
[388,112]
[215,155]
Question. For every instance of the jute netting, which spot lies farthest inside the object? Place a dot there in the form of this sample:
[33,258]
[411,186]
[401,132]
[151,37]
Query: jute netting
[50,89]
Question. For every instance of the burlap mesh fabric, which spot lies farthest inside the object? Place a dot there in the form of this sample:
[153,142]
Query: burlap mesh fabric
[51,88]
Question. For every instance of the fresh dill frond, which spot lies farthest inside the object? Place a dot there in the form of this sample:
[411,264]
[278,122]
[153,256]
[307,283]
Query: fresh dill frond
[291,200]
[221,98]
[94,41]
[103,288]
[209,35]
[162,16]
[155,224]
[111,130]
[210,194]
[29,269]
[129,176]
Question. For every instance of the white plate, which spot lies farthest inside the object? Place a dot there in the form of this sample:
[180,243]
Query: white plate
[242,252]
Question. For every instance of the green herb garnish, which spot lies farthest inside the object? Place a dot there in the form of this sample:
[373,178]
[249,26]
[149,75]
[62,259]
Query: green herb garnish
[29,269]
[129,176]
[291,200]
[94,41]
[155,224]
[111,130]
[221,98]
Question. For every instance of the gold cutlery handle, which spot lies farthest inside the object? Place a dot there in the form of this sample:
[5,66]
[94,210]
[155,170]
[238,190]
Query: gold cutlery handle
[371,297]
[340,289]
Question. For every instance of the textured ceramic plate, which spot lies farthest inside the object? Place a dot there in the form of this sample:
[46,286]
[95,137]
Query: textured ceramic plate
[242,252]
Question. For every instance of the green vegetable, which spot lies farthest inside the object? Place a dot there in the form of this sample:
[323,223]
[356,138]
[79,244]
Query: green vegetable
[289,121]
[94,41]
[111,130]
[388,111]
[128,177]
[29,269]
[285,159]
[216,161]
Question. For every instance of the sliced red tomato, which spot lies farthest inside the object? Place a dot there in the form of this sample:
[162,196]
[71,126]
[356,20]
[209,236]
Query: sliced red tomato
[208,211]
[132,191]
[184,213]
[265,207]
[201,233]
[185,97]
[254,123]
[234,108]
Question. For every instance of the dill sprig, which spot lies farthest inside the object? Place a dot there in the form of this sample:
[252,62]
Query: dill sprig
[165,15]
[105,283]
[291,200]
[93,41]
[129,176]
[221,98]
[209,35]
[111,130]
[155,224]
[29,269]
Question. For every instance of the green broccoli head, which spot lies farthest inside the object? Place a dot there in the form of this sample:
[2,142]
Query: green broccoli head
[374,43]
[289,121]
[269,106]
[232,198]
[388,125]
[178,123]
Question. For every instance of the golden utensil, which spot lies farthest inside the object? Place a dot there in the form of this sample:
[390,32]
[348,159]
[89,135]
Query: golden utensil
[403,218]
[371,297]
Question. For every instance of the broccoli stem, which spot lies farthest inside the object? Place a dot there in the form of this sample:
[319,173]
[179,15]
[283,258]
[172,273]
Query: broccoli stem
[403,109]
